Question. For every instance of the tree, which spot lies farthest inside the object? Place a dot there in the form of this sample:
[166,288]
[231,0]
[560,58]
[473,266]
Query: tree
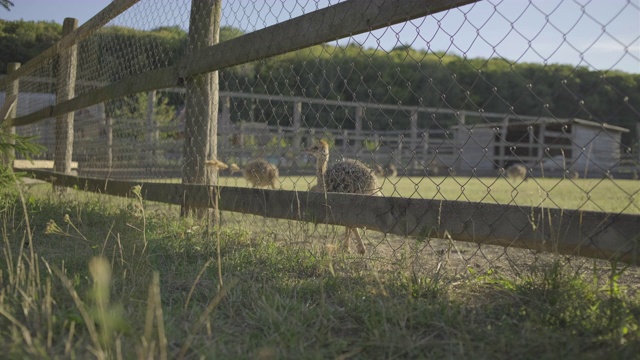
[11,144]
[20,40]
[6,4]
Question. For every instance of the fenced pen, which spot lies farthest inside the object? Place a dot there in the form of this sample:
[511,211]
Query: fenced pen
[146,92]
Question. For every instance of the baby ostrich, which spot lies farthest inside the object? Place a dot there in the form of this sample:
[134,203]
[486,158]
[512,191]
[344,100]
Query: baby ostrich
[216,164]
[260,173]
[348,176]
[378,170]
[517,171]
[391,170]
[233,168]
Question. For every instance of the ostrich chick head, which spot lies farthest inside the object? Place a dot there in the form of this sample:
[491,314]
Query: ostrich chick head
[234,168]
[320,149]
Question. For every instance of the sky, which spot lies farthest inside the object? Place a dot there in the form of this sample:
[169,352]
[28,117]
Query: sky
[599,34]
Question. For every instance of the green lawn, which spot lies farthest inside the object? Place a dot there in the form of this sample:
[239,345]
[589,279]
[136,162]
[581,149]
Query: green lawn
[93,276]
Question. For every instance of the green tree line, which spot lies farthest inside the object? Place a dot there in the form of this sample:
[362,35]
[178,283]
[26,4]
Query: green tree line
[403,75]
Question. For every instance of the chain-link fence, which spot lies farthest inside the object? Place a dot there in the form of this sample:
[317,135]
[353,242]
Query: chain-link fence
[512,126]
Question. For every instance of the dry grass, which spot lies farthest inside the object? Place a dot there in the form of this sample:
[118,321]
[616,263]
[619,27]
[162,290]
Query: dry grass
[120,278]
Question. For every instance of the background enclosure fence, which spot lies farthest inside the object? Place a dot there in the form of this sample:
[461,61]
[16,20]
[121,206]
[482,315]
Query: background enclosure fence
[147,92]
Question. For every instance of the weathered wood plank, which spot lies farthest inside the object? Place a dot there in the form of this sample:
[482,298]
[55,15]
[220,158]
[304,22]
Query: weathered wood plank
[328,24]
[65,90]
[151,80]
[8,107]
[115,8]
[571,232]
[201,106]
[331,23]
[38,115]
[155,79]
[167,77]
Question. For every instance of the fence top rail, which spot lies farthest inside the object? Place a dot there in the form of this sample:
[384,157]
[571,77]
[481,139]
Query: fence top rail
[367,105]
[234,52]
[327,24]
[40,114]
[308,100]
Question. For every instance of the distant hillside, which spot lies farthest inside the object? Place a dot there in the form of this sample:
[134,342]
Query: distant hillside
[22,40]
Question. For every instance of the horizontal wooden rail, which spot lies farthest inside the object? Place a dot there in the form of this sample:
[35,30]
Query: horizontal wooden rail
[331,23]
[597,235]
[9,104]
[338,21]
[151,80]
[307,100]
[38,115]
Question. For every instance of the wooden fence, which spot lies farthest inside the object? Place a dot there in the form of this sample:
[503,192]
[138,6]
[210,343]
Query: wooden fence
[569,232]
[598,235]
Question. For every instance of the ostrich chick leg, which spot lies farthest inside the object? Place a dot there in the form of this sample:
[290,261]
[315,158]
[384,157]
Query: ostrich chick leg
[347,239]
[359,244]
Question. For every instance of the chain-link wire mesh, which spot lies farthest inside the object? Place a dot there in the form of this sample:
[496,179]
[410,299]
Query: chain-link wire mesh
[37,92]
[534,104]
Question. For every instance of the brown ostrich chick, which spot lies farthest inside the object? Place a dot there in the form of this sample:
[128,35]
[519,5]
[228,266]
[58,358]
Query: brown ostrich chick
[234,168]
[216,164]
[260,173]
[517,171]
[347,176]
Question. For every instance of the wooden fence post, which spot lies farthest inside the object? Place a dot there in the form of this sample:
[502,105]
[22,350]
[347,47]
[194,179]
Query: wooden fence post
[108,123]
[413,134]
[65,90]
[457,135]
[225,127]
[637,141]
[297,123]
[12,88]
[345,141]
[425,161]
[152,128]
[358,128]
[201,120]
[503,142]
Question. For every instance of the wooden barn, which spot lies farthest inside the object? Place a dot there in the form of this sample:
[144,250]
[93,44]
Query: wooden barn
[544,144]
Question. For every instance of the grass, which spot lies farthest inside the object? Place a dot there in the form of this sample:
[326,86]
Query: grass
[88,276]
